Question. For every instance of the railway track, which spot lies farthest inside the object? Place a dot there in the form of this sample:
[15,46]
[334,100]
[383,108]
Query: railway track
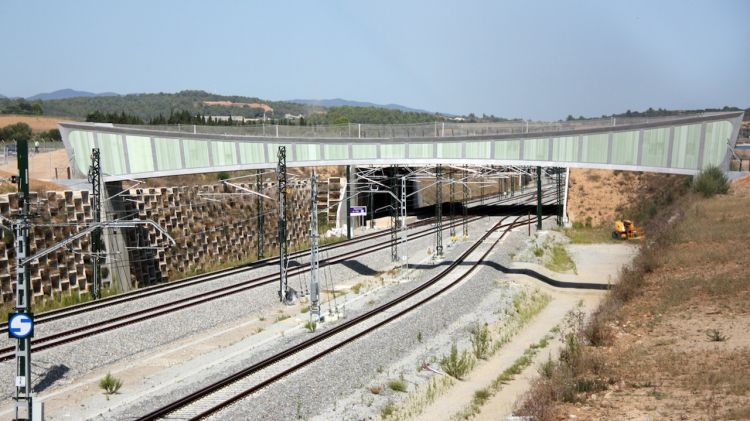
[140,293]
[214,397]
[198,279]
[81,332]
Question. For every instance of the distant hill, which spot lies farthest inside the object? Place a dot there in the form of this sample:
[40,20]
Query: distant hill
[338,102]
[149,106]
[2,96]
[67,93]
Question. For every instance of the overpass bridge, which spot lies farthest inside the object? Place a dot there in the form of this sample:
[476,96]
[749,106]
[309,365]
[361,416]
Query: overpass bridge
[675,145]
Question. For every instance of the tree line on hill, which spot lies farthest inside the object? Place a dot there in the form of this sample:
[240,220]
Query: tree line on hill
[20,106]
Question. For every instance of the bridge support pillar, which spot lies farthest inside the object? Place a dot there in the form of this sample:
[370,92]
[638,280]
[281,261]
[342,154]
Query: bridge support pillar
[349,191]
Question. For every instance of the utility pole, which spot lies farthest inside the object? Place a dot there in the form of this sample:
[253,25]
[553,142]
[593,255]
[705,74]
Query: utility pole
[404,251]
[465,207]
[314,256]
[452,206]
[24,395]
[96,210]
[539,198]
[439,211]
[283,252]
[558,176]
[261,216]
[371,209]
[394,214]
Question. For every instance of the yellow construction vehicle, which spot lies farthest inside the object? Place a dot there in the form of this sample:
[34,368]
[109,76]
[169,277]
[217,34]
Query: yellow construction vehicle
[626,229]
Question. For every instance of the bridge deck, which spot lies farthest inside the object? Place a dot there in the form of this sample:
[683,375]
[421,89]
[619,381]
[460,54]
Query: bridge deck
[679,145]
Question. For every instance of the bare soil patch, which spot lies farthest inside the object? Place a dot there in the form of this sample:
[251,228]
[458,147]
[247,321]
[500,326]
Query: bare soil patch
[598,197]
[38,123]
[673,342]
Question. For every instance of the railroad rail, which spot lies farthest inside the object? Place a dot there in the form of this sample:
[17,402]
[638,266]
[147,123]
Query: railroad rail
[218,395]
[145,292]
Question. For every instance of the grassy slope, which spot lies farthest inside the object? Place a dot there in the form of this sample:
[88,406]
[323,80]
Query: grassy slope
[653,356]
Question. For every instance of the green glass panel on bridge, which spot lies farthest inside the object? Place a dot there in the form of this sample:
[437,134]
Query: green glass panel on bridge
[252,153]
[224,153]
[391,151]
[536,149]
[167,153]
[196,153]
[360,151]
[594,148]
[273,151]
[717,143]
[82,143]
[479,150]
[420,150]
[625,147]
[655,148]
[565,149]
[306,152]
[449,150]
[337,152]
[139,153]
[686,146]
[112,153]
[507,149]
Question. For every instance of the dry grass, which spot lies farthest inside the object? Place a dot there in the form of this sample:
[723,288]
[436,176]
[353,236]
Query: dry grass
[645,352]
[38,123]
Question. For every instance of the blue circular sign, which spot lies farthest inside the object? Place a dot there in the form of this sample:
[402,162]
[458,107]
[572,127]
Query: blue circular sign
[20,325]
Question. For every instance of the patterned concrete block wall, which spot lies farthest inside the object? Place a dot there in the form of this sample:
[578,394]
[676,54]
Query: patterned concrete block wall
[213,227]
[209,233]
[57,217]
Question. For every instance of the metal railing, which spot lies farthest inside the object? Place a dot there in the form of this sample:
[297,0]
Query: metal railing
[419,130]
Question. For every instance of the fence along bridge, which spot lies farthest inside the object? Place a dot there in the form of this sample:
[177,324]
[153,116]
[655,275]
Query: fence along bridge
[675,145]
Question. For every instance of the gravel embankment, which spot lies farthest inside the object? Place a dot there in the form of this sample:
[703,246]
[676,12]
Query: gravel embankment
[336,387]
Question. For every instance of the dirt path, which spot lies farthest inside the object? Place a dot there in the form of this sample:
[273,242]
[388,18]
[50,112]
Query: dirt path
[588,258]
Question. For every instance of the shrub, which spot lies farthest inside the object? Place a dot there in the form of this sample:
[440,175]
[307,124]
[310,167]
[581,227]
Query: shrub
[110,384]
[223,175]
[397,385]
[456,365]
[711,181]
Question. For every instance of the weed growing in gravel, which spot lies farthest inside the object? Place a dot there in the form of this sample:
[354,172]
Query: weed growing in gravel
[282,316]
[481,396]
[714,335]
[419,337]
[397,385]
[311,326]
[357,287]
[387,410]
[304,309]
[457,365]
[481,341]
[560,260]
[110,384]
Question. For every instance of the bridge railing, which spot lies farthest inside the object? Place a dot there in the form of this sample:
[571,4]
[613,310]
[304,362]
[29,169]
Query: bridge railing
[420,130]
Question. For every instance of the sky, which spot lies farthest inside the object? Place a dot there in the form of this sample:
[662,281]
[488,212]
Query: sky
[527,59]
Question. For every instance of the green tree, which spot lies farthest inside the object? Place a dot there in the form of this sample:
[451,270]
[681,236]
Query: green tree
[18,131]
